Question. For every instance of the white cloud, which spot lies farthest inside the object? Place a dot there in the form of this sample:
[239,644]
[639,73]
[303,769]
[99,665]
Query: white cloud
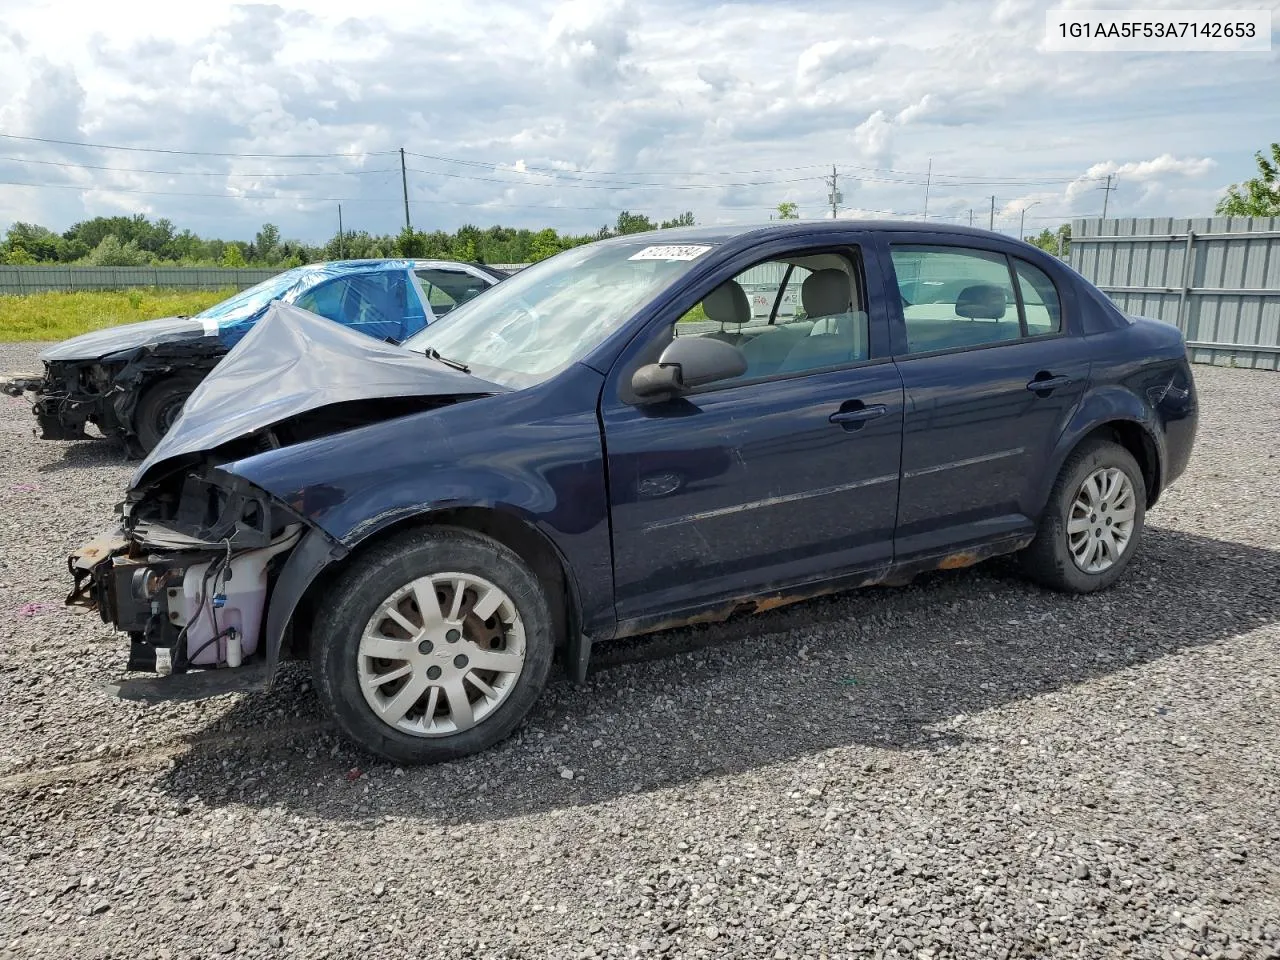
[591,38]
[830,58]
[742,104]
[1161,166]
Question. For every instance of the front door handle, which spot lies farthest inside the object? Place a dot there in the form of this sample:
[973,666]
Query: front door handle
[1044,383]
[852,419]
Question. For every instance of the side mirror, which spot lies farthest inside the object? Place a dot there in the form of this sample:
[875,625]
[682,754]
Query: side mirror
[688,362]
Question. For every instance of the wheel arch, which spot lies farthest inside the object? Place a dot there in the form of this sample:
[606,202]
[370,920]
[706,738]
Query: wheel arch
[1122,418]
[507,526]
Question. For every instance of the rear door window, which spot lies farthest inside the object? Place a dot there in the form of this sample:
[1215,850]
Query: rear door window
[446,289]
[955,297]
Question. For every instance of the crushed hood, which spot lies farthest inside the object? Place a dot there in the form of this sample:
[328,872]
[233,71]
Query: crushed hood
[293,362]
[127,336]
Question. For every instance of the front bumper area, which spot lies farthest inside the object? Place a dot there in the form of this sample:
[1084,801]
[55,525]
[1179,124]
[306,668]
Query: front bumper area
[201,594]
[58,415]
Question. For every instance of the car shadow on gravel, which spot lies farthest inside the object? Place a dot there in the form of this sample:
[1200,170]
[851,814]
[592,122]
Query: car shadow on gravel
[885,668]
[87,454]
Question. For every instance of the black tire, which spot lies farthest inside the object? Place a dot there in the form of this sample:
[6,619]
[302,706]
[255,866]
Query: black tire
[1048,559]
[353,599]
[159,406]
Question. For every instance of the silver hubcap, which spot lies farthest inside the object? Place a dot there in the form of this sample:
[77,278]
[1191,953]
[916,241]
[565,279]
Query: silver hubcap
[1100,525]
[440,654]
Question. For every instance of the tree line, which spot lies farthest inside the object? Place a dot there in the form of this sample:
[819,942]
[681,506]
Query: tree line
[125,241]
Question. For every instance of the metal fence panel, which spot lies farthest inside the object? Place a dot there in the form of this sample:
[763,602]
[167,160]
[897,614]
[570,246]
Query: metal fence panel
[1216,278]
[39,279]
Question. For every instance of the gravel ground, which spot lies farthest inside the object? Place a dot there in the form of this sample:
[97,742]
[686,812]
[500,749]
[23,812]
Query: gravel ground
[965,767]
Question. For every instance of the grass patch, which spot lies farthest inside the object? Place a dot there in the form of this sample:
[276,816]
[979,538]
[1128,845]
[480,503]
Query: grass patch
[57,316]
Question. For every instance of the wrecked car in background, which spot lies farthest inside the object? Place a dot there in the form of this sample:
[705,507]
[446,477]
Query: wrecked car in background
[583,454]
[131,380]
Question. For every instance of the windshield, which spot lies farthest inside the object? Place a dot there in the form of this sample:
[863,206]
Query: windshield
[255,298]
[552,314]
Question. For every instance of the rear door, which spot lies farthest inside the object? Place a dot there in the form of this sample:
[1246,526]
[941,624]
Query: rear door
[992,371]
[784,476]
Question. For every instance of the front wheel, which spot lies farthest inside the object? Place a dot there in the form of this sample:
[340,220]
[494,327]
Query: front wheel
[159,406]
[1093,522]
[433,646]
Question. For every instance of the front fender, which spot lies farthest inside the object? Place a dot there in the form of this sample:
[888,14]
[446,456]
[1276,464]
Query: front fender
[309,558]
[1105,404]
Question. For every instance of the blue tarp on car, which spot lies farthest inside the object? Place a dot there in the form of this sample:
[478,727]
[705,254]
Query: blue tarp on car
[371,296]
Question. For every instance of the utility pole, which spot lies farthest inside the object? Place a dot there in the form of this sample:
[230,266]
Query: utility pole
[1022,220]
[991,221]
[1106,195]
[404,182]
[971,216]
[834,196]
[928,180]
[339,231]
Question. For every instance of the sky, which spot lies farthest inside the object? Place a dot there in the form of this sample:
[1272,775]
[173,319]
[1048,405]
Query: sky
[562,114]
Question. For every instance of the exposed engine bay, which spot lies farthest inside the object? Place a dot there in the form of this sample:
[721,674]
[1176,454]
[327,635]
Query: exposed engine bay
[196,561]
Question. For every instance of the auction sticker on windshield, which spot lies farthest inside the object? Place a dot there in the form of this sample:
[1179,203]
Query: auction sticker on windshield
[690,251]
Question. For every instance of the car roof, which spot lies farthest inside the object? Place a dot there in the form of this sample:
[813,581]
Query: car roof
[377,264]
[786,228]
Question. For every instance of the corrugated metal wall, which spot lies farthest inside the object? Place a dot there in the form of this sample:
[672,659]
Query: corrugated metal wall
[1217,278]
[21,280]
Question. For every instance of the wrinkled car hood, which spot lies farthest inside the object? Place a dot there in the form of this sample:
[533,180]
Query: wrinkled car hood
[292,362]
[127,336]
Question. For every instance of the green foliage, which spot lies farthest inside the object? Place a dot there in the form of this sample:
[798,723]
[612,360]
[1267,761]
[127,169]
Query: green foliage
[233,256]
[411,243]
[137,240]
[1259,197]
[629,222]
[17,257]
[788,211]
[56,316]
[110,252]
[545,244]
[1047,240]
[266,244]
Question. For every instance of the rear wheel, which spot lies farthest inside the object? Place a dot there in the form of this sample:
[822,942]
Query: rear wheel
[433,646]
[160,405]
[1093,522]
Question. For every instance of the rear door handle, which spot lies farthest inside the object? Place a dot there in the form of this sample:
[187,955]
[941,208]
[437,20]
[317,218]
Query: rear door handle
[861,415]
[1045,384]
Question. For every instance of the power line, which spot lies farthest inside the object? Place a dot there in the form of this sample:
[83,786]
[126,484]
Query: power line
[198,173]
[198,153]
[615,185]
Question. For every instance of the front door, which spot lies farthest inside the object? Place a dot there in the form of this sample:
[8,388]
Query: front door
[783,476]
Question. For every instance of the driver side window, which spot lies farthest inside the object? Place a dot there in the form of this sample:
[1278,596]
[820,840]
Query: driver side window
[789,315]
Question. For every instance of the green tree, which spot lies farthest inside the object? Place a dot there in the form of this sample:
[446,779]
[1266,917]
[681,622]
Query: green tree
[110,252]
[629,222]
[16,256]
[34,240]
[545,244]
[788,211]
[1050,240]
[683,220]
[410,243]
[267,242]
[233,256]
[1259,197]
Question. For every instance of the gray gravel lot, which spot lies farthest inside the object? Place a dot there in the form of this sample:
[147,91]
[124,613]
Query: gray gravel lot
[969,766]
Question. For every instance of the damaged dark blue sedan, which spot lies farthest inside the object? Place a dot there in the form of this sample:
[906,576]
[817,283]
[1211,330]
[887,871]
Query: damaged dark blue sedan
[648,431]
